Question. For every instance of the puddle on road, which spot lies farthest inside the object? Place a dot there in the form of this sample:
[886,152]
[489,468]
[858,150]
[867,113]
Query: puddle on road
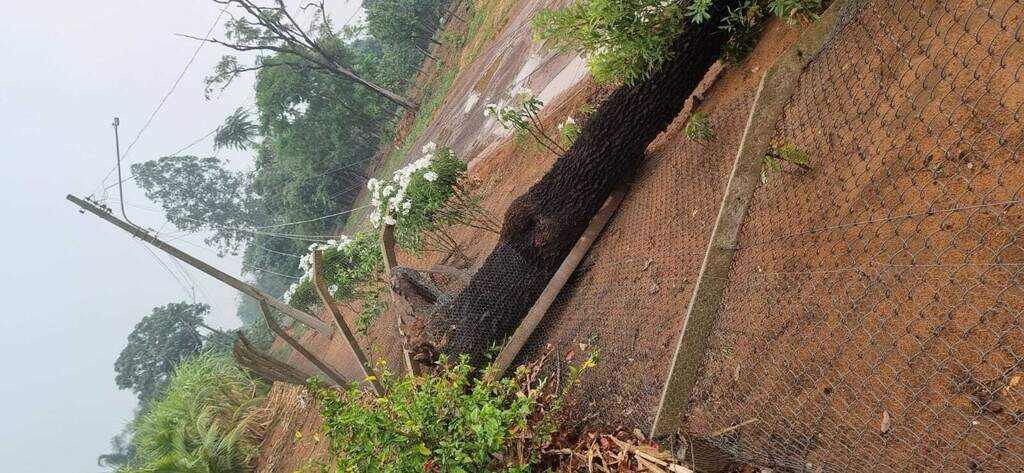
[470,102]
[571,75]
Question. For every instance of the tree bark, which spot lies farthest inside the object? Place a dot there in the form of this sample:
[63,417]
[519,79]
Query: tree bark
[542,225]
[265,366]
[292,342]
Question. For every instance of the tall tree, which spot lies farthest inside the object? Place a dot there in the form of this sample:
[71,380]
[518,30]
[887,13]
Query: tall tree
[238,132]
[199,194]
[271,29]
[122,452]
[410,22]
[157,344]
[542,225]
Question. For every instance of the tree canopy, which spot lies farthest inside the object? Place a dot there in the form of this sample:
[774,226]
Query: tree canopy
[199,194]
[157,344]
[270,30]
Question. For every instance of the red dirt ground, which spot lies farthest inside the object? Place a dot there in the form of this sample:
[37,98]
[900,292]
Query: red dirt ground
[873,317]
[655,239]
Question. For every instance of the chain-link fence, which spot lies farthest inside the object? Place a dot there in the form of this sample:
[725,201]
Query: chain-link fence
[871,319]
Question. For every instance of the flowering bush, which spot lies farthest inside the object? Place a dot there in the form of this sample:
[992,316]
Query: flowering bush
[351,268]
[523,116]
[426,197]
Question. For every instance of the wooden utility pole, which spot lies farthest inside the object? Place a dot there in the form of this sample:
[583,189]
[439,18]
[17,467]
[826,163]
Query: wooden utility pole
[387,248]
[241,286]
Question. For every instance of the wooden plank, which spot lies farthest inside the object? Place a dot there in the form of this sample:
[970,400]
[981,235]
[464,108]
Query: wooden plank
[339,321]
[387,248]
[238,284]
[276,328]
[557,282]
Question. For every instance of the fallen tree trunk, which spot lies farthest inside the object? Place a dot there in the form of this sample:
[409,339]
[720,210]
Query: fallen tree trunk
[265,366]
[542,225]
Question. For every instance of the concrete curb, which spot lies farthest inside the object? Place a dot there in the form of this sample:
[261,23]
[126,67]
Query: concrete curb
[776,88]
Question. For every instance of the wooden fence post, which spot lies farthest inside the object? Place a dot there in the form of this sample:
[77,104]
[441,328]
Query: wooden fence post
[339,320]
[572,260]
[387,248]
[292,342]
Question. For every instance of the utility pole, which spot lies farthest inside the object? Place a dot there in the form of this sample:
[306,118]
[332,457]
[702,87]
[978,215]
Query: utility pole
[241,286]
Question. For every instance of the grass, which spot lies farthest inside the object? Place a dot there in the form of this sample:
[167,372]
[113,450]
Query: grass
[208,419]
[488,18]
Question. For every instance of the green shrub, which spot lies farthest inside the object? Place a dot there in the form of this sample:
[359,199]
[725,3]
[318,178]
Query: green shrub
[623,40]
[449,421]
[786,153]
[698,127]
[626,41]
[205,421]
[569,130]
[349,266]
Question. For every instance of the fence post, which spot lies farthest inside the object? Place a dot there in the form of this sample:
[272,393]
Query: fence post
[387,249]
[325,296]
[572,260]
[776,88]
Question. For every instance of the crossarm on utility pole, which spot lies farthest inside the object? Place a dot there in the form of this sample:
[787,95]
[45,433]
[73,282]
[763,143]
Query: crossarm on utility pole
[241,286]
[328,301]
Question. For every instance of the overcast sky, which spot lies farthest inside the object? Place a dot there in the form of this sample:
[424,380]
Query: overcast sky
[75,285]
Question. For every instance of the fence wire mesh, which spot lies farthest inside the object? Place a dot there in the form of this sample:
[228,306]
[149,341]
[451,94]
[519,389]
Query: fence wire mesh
[872,315]
[628,297]
[872,318]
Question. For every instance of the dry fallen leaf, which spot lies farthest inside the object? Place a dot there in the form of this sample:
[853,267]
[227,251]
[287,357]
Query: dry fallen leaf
[886,422]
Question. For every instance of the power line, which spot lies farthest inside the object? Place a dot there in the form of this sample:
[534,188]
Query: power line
[244,266]
[258,230]
[166,96]
[179,151]
[165,267]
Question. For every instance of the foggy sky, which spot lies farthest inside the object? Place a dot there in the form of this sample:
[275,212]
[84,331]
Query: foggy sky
[75,285]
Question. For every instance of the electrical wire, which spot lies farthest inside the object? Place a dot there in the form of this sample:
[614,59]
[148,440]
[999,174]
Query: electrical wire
[166,96]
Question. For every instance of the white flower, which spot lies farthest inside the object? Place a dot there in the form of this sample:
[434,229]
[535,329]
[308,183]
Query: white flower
[430,176]
[373,184]
[522,92]
[333,289]
[429,148]
[406,206]
[389,220]
[388,190]
[491,109]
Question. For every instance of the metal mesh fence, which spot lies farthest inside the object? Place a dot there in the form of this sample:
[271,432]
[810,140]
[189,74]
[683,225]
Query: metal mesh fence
[872,319]
[872,315]
[628,297]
